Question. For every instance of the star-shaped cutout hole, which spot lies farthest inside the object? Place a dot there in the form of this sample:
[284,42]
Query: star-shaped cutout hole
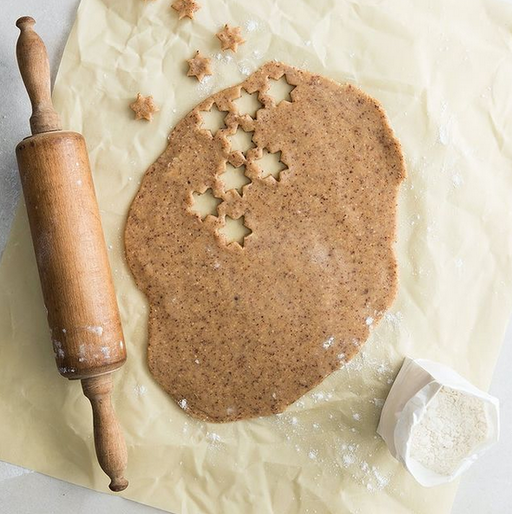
[270,164]
[234,178]
[205,204]
[241,141]
[199,66]
[235,230]
[213,119]
[280,90]
[144,107]
[185,8]
[230,38]
[248,104]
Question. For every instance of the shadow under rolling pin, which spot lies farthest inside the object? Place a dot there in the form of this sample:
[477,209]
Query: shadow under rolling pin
[71,254]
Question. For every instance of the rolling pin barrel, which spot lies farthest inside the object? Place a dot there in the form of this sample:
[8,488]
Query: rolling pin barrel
[71,254]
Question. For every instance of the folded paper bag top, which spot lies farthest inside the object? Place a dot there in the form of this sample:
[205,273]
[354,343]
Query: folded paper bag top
[436,422]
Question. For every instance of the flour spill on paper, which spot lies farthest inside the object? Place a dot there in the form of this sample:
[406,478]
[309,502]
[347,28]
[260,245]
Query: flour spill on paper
[246,67]
[457,180]
[205,86]
[213,437]
[394,319]
[251,25]
[223,58]
[140,390]
[445,127]
[302,432]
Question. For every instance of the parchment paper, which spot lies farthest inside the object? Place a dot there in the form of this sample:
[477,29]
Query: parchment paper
[443,71]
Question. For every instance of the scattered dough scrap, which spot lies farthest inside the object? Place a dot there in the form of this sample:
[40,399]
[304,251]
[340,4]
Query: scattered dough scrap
[230,38]
[256,296]
[199,66]
[144,107]
[186,8]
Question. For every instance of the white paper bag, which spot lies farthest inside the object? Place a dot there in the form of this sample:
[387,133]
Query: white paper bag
[415,386]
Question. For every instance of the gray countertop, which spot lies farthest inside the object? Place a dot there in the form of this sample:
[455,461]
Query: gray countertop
[485,489]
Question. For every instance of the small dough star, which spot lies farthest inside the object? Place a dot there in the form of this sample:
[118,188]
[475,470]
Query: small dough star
[144,107]
[186,8]
[199,66]
[230,38]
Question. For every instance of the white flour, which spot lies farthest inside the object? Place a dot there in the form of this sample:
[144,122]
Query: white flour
[453,426]
[140,390]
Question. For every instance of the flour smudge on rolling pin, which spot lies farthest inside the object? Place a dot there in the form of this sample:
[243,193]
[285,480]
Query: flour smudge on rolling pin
[95,330]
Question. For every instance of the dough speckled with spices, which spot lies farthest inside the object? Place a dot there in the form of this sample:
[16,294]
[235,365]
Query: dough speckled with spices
[257,302]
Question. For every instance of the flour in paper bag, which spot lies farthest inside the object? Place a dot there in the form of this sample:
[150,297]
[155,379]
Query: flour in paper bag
[452,428]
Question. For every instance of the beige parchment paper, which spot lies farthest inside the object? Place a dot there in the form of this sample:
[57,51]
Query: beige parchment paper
[443,71]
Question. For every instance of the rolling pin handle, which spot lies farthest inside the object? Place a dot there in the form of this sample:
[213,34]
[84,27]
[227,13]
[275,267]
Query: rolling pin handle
[108,438]
[35,71]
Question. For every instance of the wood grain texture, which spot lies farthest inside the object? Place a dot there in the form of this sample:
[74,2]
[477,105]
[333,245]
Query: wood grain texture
[108,438]
[71,254]
[35,71]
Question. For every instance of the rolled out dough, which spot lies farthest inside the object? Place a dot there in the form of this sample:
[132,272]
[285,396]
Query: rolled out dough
[240,329]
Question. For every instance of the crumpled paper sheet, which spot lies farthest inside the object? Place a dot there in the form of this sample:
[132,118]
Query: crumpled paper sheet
[443,71]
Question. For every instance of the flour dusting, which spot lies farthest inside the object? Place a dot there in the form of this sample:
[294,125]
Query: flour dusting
[95,330]
[58,350]
[328,343]
[445,127]
[368,476]
[394,319]
[457,180]
[313,454]
[213,437]
[245,67]
[140,390]
[251,25]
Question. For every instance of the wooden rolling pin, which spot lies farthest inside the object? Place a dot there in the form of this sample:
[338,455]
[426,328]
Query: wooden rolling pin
[71,254]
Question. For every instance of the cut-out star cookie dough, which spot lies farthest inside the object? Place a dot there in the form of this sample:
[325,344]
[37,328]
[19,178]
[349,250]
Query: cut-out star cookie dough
[144,107]
[230,38]
[185,8]
[266,268]
[199,66]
